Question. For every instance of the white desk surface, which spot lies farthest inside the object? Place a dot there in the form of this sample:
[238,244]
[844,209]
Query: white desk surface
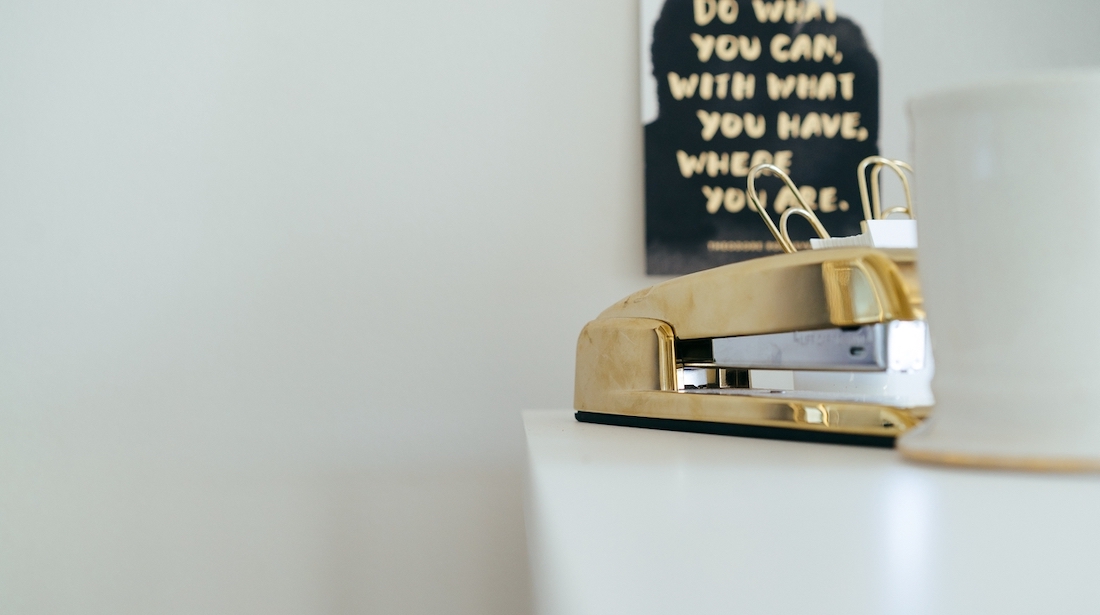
[637,521]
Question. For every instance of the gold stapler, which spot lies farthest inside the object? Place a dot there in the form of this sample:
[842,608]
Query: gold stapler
[817,345]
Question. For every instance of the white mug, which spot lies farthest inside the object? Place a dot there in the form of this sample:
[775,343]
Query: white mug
[1008,203]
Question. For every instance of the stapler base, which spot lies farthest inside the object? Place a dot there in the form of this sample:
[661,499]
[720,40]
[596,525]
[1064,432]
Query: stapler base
[734,429]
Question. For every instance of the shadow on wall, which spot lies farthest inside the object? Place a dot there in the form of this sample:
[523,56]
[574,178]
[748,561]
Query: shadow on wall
[461,547]
[173,538]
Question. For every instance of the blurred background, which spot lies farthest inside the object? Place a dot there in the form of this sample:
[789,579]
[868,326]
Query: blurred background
[277,278]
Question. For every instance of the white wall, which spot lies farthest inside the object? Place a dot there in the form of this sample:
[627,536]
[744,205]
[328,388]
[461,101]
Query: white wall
[276,279]
[938,44]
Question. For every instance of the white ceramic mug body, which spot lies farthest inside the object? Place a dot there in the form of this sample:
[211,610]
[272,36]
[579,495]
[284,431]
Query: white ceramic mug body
[1008,201]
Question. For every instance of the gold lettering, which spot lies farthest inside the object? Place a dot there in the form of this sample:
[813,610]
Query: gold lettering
[754,125]
[811,125]
[761,10]
[682,87]
[706,86]
[714,199]
[727,11]
[809,194]
[750,48]
[739,164]
[826,86]
[849,125]
[824,46]
[726,47]
[787,126]
[812,12]
[794,10]
[779,47]
[710,123]
[827,200]
[760,156]
[807,86]
[723,82]
[734,200]
[690,164]
[731,125]
[736,246]
[704,45]
[784,199]
[783,160]
[705,11]
[780,88]
[744,86]
[717,164]
[801,48]
[768,11]
[847,85]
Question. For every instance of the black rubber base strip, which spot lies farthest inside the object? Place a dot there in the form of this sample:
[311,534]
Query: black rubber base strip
[731,429]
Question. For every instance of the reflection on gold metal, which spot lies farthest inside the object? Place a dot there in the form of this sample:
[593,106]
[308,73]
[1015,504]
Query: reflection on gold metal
[846,418]
[866,290]
[786,292]
[802,209]
[627,363]
[666,357]
[906,261]
[872,206]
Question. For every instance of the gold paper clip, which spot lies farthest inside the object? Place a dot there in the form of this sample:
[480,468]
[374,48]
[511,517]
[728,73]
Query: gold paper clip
[802,209]
[872,207]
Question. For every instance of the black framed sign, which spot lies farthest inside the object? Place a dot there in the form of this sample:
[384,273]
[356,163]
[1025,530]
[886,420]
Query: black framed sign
[739,83]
